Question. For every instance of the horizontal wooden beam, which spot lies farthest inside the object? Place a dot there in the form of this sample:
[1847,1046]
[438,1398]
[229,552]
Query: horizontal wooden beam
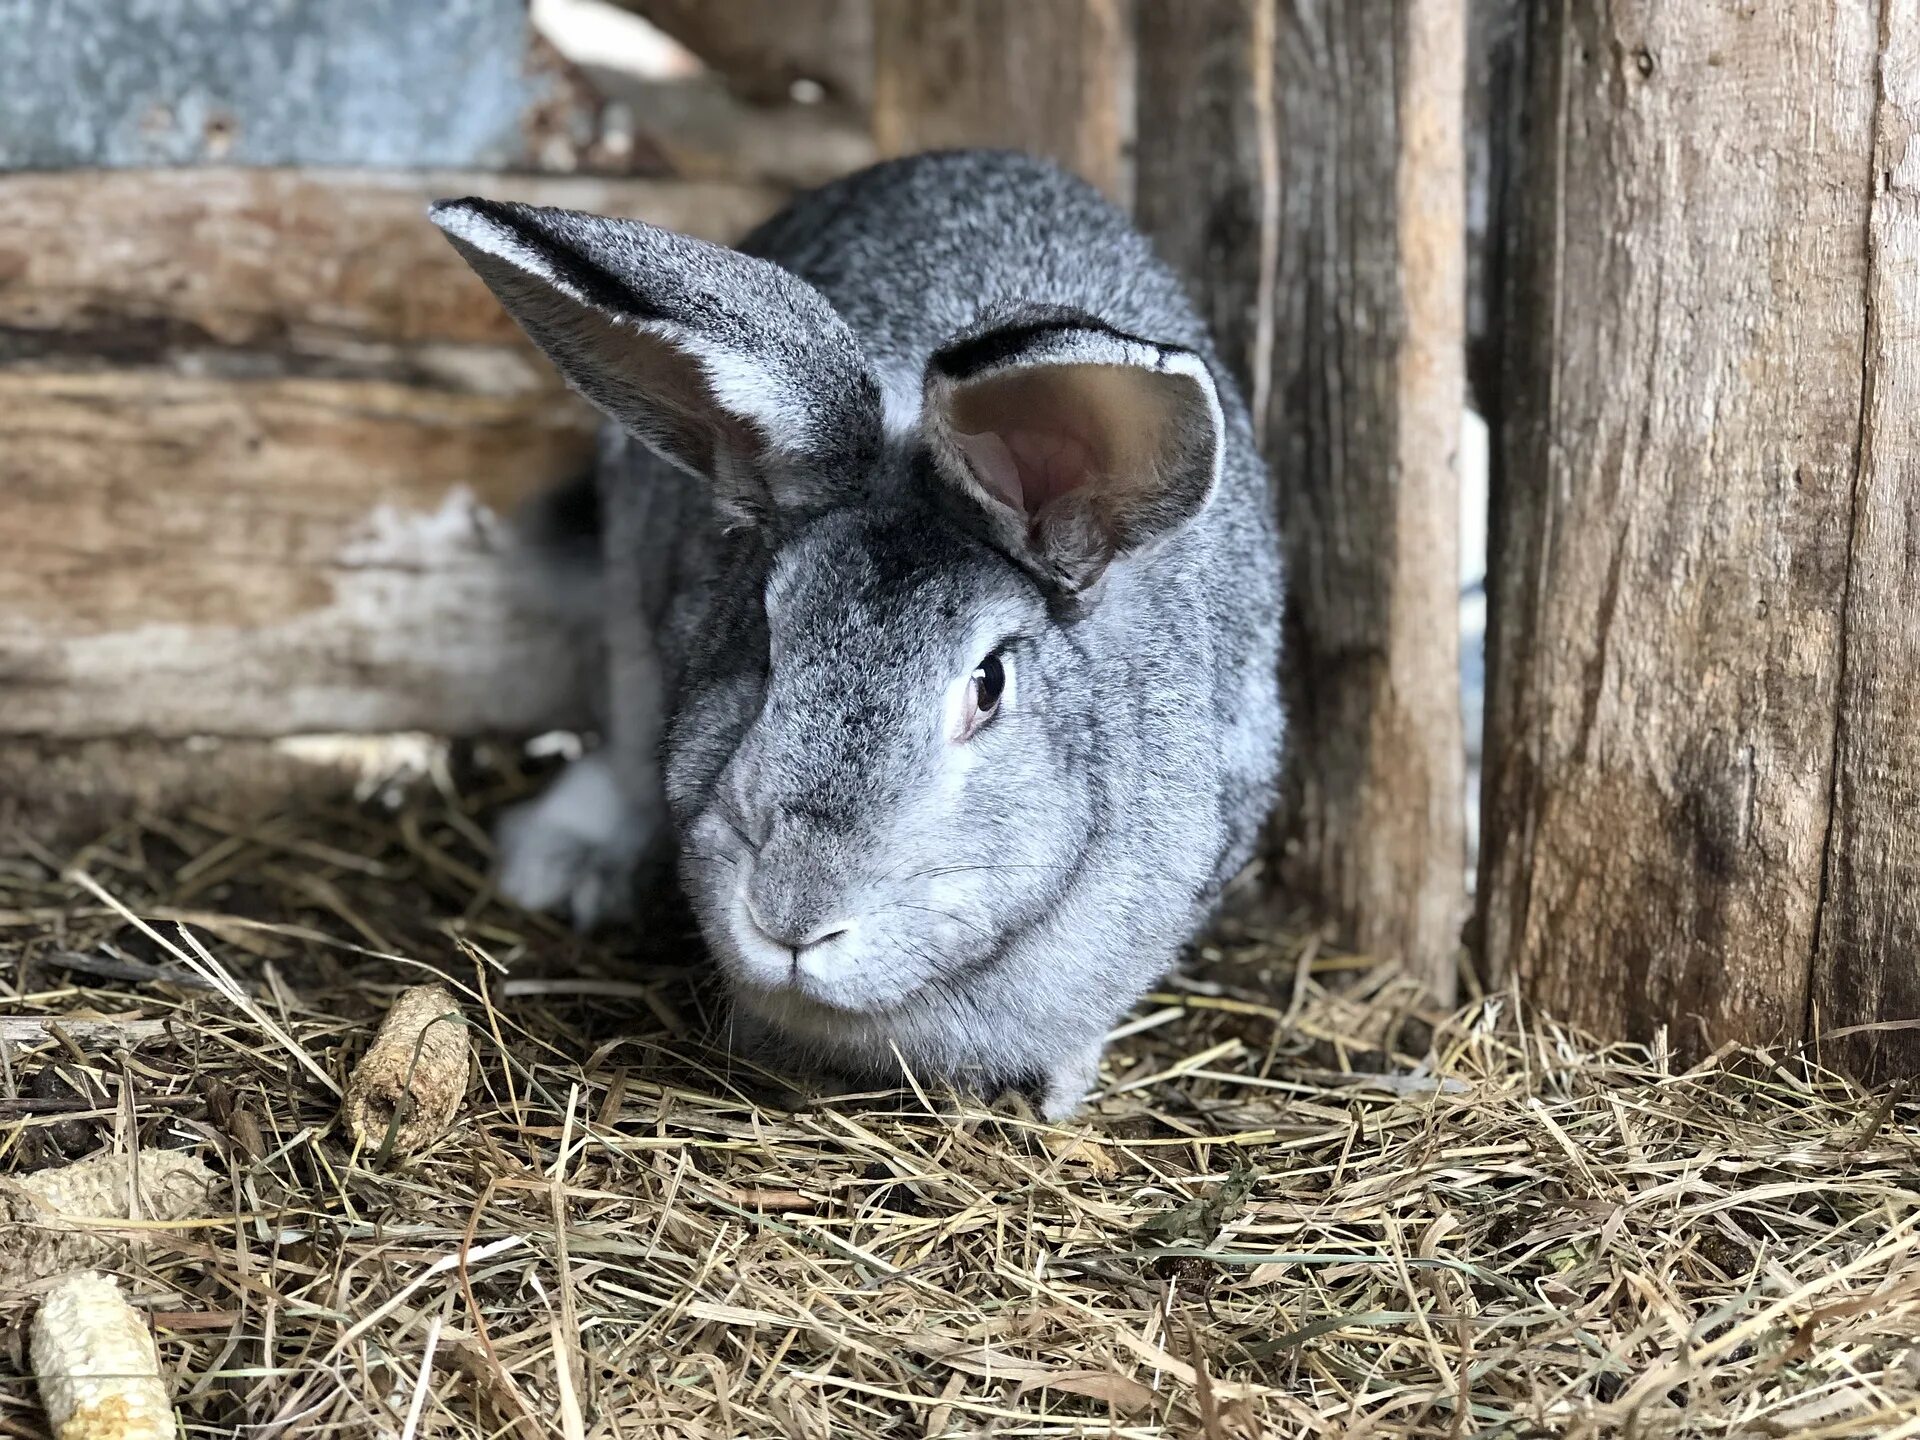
[304,269]
[765,47]
[58,793]
[266,556]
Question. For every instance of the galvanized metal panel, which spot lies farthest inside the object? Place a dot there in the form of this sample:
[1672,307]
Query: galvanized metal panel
[379,83]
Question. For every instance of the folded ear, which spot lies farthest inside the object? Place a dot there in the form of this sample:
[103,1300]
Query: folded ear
[1079,442]
[726,365]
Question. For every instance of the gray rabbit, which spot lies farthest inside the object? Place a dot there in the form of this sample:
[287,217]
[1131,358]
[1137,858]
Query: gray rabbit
[944,614]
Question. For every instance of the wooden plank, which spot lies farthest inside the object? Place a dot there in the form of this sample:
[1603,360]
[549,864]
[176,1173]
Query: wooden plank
[1684,304]
[267,556]
[1207,168]
[1050,76]
[297,271]
[1866,962]
[695,128]
[1363,430]
[259,434]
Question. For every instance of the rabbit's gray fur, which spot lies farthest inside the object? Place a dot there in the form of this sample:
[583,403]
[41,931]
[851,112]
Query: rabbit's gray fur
[803,592]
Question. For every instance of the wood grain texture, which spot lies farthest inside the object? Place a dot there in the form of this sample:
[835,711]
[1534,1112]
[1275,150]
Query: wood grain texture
[1362,429]
[194,556]
[260,434]
[1684,305]
[1050,76]
[695,128]
[1866,962]
[1206,168]
[290,270]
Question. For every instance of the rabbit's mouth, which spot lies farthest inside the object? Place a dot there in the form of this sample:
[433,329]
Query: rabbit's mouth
[818,993]
[812,1003]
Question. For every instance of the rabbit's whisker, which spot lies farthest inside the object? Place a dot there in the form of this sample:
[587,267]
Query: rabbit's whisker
[990,869]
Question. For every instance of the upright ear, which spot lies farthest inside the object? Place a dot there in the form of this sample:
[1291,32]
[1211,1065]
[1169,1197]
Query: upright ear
[726,365]
[1079,442]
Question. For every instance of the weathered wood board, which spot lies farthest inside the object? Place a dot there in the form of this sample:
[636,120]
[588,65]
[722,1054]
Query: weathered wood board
[1363,431]
[56,793]
[1207,168]
[259,434]
[1866,957]
[766,47]
[1703,764]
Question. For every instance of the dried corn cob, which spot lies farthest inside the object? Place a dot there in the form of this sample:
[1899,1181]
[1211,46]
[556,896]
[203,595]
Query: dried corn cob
[37,1239]
[98,1370]
[410,1083]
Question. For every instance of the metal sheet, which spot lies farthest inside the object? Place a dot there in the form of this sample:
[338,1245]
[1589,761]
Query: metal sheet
[386,83]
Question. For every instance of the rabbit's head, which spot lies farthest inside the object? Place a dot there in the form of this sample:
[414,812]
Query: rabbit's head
[886,767]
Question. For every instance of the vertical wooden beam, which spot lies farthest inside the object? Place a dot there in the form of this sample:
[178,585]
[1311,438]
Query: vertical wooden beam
[1362,431]
[1050,76]
[1866,963]
[1206,168]
[1681,492]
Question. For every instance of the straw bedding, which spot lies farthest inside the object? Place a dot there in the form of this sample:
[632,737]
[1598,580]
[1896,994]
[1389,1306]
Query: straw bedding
[1303,1205]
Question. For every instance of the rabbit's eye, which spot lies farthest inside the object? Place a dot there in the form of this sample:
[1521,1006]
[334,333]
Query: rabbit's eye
[985,686]
[989,680]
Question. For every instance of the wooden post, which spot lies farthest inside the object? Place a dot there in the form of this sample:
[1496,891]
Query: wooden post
[1866,962]
[1049,76]
[1362,431]
[1702,753]
[1302,164]
[1206,168]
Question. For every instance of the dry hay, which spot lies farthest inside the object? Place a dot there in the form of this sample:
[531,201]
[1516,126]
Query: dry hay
[1299,1208]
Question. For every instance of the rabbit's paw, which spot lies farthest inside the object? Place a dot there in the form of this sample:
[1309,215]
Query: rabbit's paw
[575,848]
[1067,1081]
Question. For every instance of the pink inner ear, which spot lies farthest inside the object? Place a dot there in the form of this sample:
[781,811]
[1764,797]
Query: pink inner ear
[1028,469]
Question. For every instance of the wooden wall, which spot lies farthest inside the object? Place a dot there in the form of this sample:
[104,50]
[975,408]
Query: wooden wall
[261,433]
[262,437]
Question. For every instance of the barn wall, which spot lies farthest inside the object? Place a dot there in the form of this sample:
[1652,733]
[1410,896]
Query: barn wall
[263,431]
[262,435]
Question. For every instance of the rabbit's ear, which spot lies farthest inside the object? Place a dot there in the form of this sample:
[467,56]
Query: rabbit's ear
[727,365]
[1080,442]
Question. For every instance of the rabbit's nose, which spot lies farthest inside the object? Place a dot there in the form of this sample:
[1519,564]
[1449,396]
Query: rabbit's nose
[789,931]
